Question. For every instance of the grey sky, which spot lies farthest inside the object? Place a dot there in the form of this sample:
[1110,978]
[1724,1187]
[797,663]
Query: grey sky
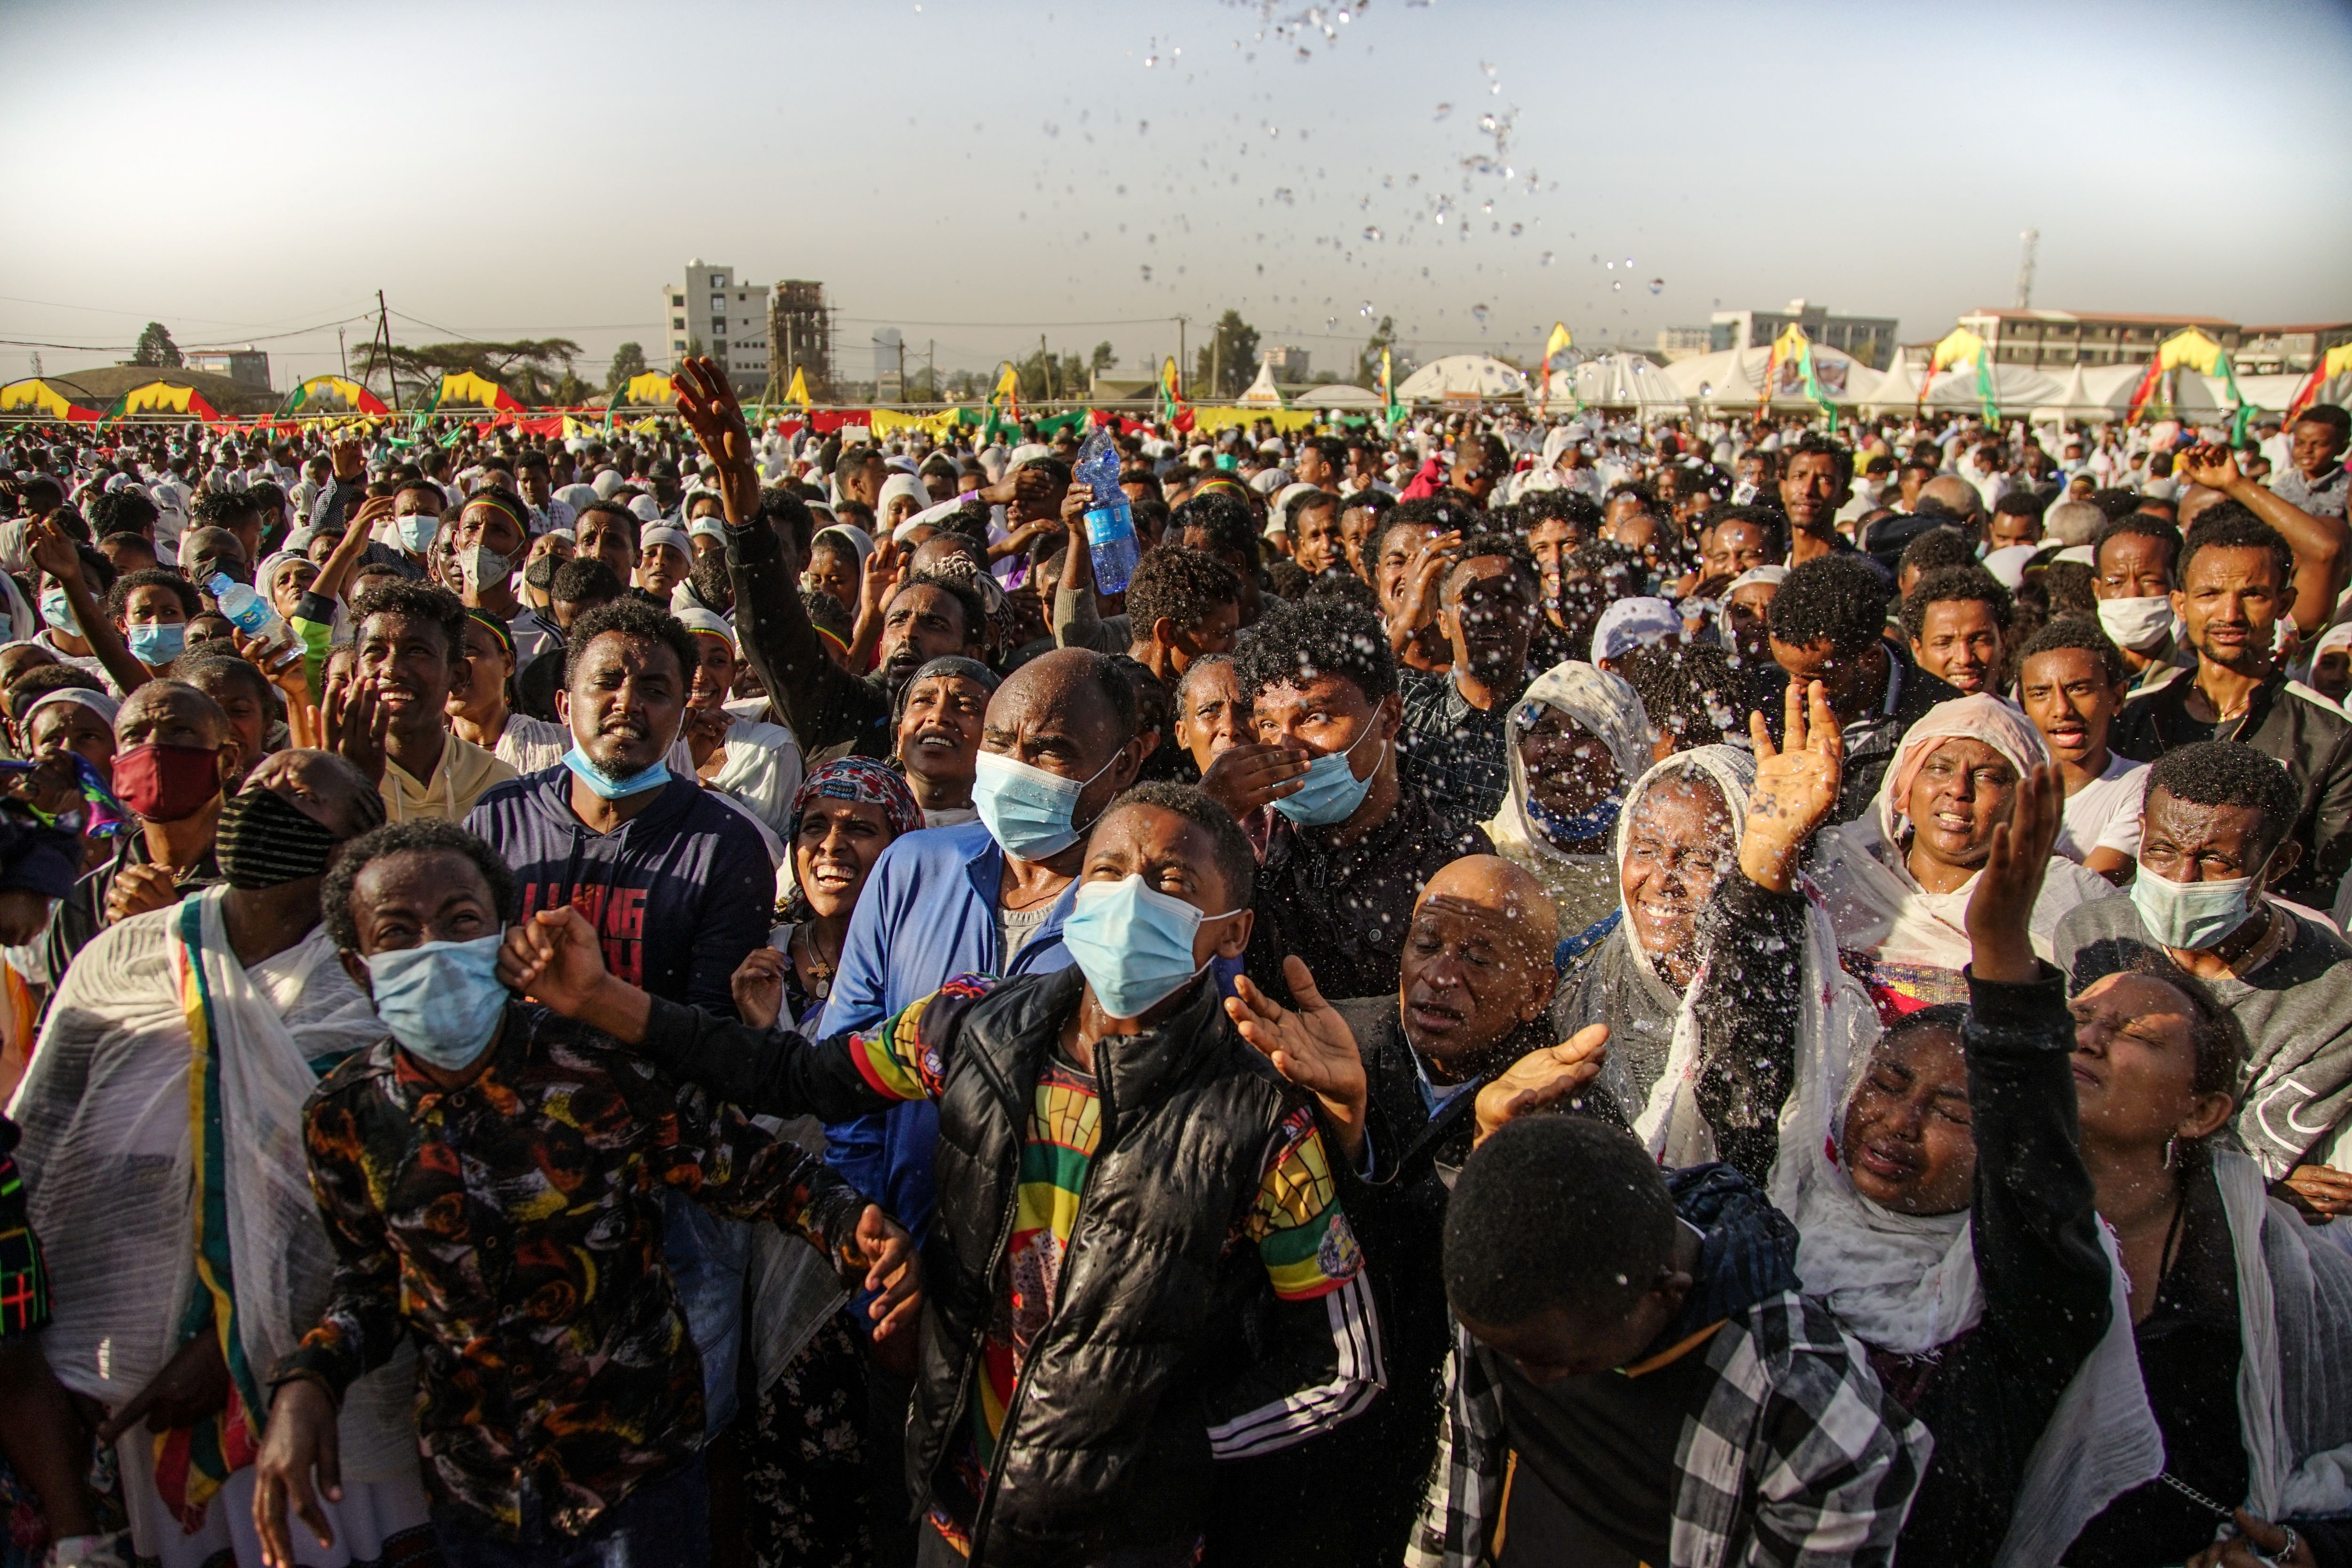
[237,170]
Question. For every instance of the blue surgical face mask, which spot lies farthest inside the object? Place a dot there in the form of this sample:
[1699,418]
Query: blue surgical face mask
[57,610]
[1133,944]
[1581,829]
[441,1000]
[1027,809]
[156,645]
[2191,916]
[605,785]
[417,530]
[1330,792]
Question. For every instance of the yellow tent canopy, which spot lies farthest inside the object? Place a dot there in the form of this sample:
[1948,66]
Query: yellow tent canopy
[652,386]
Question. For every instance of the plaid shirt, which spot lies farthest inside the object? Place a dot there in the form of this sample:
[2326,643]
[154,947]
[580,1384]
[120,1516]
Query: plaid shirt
[1795,1455]
[24,1280]
[1458,756]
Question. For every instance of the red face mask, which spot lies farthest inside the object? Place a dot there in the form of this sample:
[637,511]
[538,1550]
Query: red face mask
[165,783]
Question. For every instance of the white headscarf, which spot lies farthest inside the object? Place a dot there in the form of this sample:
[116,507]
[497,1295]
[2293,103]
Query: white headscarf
[1606,708]
[894,486]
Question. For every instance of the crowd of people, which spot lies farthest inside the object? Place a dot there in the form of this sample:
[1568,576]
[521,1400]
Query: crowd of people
[1535,987]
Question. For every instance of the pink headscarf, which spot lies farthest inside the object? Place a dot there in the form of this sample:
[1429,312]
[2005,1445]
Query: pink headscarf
[1980,716]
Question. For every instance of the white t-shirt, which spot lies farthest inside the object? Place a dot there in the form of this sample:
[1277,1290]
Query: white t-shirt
[2104,813]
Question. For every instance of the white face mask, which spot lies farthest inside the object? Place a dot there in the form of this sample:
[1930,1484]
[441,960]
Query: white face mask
[2191,916]
[2140,625]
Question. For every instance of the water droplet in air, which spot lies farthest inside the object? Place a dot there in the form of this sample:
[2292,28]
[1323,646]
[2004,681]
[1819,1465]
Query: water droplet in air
[1618,287]
[1517,230]
[1146,275]
[1658,285]
[1629,262]
[1151,60]
[1443,109]
[1479,311]
[1707,389]
[1545,259]
[1372,235]
[1367,309]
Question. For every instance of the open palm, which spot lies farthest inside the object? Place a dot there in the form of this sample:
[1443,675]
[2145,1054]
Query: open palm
[1310,1045]
[1796,783]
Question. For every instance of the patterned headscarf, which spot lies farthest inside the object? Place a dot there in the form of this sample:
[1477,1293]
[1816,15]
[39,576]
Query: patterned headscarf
[858,778]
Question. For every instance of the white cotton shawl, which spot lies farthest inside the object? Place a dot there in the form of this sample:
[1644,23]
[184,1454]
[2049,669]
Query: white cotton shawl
[109,1163]
[1606,708]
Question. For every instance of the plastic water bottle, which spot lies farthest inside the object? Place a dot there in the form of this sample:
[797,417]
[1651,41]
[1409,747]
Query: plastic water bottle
[1110,522]
[244,607]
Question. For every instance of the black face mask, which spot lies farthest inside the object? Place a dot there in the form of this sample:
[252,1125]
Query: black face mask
[264,841]
[541,573]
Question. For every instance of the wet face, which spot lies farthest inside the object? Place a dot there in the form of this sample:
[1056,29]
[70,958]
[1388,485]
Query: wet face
[1355,526]
[624,702]
[835,848]
[1679,843]
[2181,841]
[2133,566]
[1569,770]
[1328,715]
[1906,1143]
[1487,612]
[1746,613]
[1737,545]
[1213,633]
[1210,717]
[1550,541]
[939,734]
[1852,682]
[1553,1343]
[1959,642]
[922,622]
[2231,600]
[1473,972]
[1963,790]
[1397,548]
[487,524]
[2136,1066]
[1314,542]
[2070,700]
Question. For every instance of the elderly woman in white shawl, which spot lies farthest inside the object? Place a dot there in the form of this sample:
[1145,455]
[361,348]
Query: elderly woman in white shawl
[1700,982]
[1578,738]
[1898,878]
[1945,1214]
[163,1152]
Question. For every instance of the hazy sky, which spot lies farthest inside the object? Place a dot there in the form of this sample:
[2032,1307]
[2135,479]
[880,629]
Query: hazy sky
[976,174]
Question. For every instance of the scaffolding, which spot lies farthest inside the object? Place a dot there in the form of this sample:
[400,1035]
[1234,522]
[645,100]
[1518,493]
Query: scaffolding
[800,338]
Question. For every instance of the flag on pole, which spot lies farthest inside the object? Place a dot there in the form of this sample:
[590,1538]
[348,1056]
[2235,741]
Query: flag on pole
[798,392]
[1556,345]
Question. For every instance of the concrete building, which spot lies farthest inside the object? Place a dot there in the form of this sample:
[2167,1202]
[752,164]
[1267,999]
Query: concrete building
[1869,339]
[717,314]
[1684,342]
[2268,350]
[1288,365]
[800,338]
[248,366]
[2064,338]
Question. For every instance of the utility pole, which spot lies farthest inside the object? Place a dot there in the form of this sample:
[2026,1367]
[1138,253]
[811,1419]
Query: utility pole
[1216,364]
[384,336]
[1181,322]
[931,365]
[2029,242]
[1045,363]
[342,353]
[902,369]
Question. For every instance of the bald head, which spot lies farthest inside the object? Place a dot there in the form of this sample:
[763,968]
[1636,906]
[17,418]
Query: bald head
[1955,495]
[173,712]
[1477,967]
[1071,713]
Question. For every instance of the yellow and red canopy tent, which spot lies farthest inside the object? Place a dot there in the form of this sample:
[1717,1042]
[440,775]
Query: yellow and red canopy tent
[163,398]
[466,387]
[2188,349]
[314,396]
[2335,362]
[33,393]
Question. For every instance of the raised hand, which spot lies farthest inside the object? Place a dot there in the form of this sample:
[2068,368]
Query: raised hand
[758,985]
[2003,899]
[1311,1046]
[54,552]
[355,725]
[1796,785]
[1244,777]
[349,461]
[2215,467]
[1539,1078]
[555,958]
[708,405]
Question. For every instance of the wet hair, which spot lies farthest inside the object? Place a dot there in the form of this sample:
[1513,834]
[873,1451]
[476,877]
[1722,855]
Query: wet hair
[213,661]
[1944,1017]
[1936,548]
[1347,585]
[1308,638]
[622,517]
[1184,681]
[419,837]
[1184,586]
[633,619]
[827,614]
[1435,513]
[1489,543]
[1691,691]
[1574,507]
[2147,527]
[787,516]
[226,509]
[1819,445]
[419,602]
[1225,518]
[2229,773]
[118,598]
[2072,632]
[1953,585]
[1313,500]
[1230,849]
[2228,525]
[1763,519]
[1556,1211]
[1832,598]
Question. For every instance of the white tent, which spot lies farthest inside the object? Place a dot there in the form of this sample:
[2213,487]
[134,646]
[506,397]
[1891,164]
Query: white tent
[1339,396]
[2016,389]
[1262,393]
[1617,381]
[1732,376]
[1461,375]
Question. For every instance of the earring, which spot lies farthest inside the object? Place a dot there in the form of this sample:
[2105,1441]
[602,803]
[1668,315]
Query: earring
[2171,1149]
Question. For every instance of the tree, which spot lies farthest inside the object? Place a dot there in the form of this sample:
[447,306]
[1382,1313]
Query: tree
[1368,363]
[156,348]
[628,359]
[1102,359]
[1046,376]
[1228,361]
[534,369]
